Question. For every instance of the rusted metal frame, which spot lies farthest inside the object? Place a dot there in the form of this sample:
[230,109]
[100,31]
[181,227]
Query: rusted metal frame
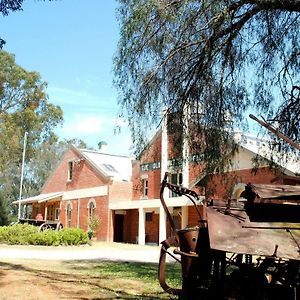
[162,270]
[196,207]
[179,190]
[272,227]
[293,238]
[171,254]
[276,132]
[227,212]
[182,191]
[192,255]
[169,217]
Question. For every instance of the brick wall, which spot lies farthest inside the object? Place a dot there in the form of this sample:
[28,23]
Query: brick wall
[83,176]
[120,191]
[220,186]
[81,205]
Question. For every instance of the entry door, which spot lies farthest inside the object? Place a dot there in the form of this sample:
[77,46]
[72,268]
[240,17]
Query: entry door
[118,228]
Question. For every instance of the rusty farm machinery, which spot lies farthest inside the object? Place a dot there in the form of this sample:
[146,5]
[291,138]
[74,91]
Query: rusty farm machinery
[243,250]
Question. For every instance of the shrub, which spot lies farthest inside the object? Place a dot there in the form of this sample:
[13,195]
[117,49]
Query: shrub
[25,234]
[93,226]
[17,234]
[73,236]
[45,238]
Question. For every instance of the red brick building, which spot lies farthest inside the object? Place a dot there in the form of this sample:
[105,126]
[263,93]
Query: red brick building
[144,220]
[124,195]
[81,188]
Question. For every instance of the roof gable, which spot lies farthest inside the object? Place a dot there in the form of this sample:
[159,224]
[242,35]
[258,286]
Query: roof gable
[115,167]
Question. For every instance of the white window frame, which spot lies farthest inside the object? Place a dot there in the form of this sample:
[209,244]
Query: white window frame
[56,214]
[70,170]
[178,181]
[91,210]
[145,186]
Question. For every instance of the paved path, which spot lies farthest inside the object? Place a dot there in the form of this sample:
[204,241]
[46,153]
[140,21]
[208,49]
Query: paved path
[98,251]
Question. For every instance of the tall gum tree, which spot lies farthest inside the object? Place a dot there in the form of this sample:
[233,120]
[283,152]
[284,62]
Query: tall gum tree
[219,59]
[24,107]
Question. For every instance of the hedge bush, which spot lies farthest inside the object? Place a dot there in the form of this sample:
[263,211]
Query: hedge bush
[73,236]
[17,234]
[25,234]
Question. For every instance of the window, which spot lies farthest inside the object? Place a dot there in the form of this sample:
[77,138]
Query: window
[57,211]
[69,214]
[145,187]
[91,209]
[149,216]
[175,178]
[70,170]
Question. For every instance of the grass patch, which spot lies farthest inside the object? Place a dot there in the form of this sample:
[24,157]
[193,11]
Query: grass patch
[132,277]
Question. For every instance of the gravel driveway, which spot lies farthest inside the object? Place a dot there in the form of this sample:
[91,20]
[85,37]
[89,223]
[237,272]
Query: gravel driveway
[97,251]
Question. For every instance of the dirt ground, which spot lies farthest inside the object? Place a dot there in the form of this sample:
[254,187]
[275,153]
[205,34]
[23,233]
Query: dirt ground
[69,273]
[25,280]
[36,279]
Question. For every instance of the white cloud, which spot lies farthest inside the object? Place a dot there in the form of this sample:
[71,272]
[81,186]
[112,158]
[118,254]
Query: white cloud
[92,128]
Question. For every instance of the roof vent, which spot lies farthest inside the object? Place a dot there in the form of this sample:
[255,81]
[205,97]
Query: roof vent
[102,146]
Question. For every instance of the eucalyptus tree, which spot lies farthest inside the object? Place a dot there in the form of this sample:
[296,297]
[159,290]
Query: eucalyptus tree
[24,107]
[220,59]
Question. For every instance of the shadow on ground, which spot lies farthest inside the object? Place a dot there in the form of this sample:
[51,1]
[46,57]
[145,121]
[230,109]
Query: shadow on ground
[83,279]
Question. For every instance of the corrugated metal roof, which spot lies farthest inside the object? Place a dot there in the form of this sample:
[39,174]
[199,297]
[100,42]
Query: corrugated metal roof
[116,166]
[40,198]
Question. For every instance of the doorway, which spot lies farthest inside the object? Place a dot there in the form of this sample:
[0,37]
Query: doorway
[119,228]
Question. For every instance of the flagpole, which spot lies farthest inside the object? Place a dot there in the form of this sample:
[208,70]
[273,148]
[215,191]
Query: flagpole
[22,174]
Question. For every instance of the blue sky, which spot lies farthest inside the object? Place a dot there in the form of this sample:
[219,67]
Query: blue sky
[71,43]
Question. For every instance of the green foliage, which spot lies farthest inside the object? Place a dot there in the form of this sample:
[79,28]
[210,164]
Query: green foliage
[24,108]
[45,238]
[3,210]
[94,225]
[17,234]
[73,236]
[212,61]
[25,234]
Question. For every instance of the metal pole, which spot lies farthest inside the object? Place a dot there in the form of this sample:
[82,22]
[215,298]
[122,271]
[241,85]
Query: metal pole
[22,174]
[276,132]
